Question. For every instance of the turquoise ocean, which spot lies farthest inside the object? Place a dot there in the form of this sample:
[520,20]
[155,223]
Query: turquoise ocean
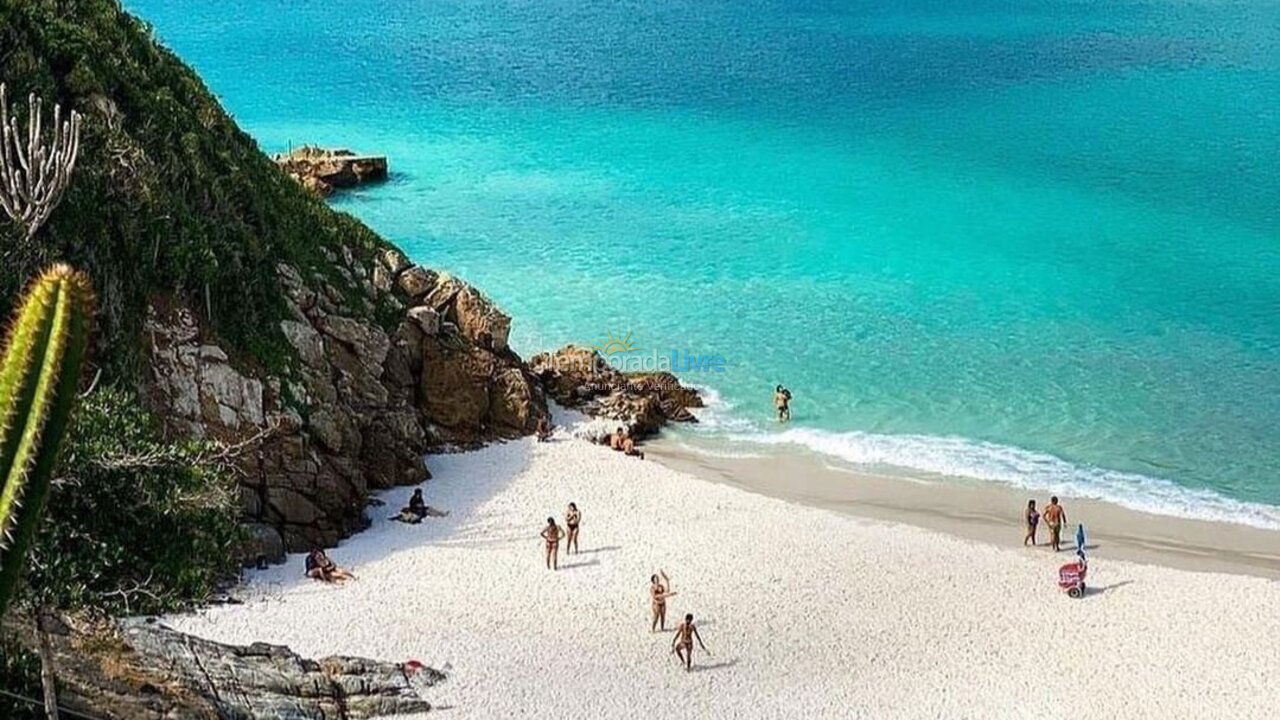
[1035,243]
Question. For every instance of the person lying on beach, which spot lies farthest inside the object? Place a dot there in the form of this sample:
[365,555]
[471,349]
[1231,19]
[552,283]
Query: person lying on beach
[572,518]
[659,591]
[1032,520]
[1055,516]
[683,641]
[543,429]
[552,534]
[320,567]
[782,401]
[629,448]
[417,510]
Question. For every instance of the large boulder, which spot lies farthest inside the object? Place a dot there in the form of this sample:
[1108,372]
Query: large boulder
[641,403]
[143,670]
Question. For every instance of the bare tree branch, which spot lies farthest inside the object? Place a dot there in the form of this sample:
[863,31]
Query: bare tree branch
[219,454]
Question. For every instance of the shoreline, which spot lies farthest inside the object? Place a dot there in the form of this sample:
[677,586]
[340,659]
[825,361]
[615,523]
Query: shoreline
[986,512]
[807,612]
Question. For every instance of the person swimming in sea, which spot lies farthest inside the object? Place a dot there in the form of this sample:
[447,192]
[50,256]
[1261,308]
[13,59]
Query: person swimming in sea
[572,518]
[552,534]
[682,643]
[659,591]
[1033,521]
[782,401]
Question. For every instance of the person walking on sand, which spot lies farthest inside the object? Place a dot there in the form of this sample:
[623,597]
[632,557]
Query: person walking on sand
[572,517]
[1055,517]
[782,401]
[682,643]
[1033,521]
[552,534]
[659,591]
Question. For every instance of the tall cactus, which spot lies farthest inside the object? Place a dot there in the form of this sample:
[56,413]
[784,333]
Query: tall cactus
[38,378]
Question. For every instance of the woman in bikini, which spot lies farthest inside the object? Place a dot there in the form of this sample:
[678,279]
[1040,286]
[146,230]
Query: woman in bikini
[571,519]
[552,534]
[659,591]
[682,643]
[1033,520]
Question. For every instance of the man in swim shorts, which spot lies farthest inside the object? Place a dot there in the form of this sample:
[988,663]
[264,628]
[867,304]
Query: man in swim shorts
[1055,517]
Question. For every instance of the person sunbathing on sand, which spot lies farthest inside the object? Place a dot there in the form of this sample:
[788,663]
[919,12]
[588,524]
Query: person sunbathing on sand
[1032,520]
[683,640]
[572,517]
[629,448]
[1055,517]
[417,510]
[658,594]
[552,534]
[615,440]
[320,567]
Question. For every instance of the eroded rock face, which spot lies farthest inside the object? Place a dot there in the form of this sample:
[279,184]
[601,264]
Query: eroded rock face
[362,404]
[641,403]
[143,670]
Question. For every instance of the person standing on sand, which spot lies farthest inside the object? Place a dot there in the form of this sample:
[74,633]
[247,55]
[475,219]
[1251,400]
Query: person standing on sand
[1033,521]
[782,401]
[572,517]
[1055,517]
[552,534]
[658,594]
[683,640]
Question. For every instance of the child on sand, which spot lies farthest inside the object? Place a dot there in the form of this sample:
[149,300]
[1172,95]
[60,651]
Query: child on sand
[543,429]
[683,641]
[552,534]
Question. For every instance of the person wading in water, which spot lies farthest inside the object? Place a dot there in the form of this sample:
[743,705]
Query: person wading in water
[782,401]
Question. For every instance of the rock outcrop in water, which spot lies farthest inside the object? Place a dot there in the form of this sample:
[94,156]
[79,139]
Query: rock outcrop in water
[143,670]
[322,171]
[579,378]
[365,403]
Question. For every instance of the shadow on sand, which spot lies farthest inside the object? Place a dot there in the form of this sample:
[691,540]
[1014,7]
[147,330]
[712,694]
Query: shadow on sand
[1091,590]
[715,665]
[462,484]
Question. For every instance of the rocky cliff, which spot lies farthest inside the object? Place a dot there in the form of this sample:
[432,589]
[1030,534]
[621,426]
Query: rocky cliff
[362,404]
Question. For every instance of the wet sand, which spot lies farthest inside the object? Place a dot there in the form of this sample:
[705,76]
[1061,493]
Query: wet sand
[987,512]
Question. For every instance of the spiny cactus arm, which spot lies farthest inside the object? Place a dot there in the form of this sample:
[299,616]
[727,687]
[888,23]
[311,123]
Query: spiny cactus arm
[38,379]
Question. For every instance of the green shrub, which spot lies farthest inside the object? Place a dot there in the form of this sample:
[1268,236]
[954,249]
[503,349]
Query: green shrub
[135,524]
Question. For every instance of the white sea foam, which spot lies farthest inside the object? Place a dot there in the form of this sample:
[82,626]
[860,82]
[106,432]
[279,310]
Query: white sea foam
[962,457]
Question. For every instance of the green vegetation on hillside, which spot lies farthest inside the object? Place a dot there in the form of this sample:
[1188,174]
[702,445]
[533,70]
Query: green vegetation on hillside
[169,200]
[169,195]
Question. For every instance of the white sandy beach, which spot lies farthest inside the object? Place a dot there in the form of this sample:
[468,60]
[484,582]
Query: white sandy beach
[809,613]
